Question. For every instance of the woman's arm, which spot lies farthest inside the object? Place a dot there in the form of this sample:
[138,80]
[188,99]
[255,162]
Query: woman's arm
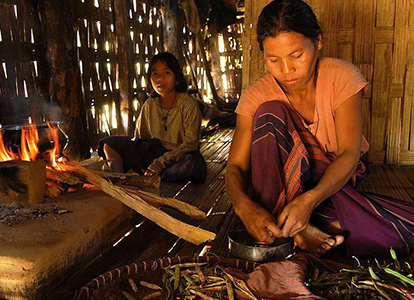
[258,221]
[348,124]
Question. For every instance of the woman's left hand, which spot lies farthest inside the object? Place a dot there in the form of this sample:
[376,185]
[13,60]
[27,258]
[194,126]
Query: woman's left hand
[295,216]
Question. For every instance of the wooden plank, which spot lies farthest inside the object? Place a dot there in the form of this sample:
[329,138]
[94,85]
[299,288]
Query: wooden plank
[383,35]
[399,62]
[329,16]
[347,19]
[364,29]
[407,135]
[394,133]
[345,51]
[407,157]
[385,13]
[411,19]
[380,106]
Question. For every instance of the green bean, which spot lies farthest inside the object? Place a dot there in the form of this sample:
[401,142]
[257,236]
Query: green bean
[394,257]
[399,276]
[372,273]
[152,295]
[128,296]
[176,277]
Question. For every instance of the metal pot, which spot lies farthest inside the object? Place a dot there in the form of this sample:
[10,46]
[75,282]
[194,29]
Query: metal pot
[243,245]
[12,136]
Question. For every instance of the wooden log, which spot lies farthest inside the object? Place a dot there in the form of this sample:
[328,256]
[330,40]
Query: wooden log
[62,177]
[22,182]
[53,190]
[154,200]
[187,232]
[131,179]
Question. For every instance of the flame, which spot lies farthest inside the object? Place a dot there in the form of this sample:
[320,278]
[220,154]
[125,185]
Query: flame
[54,153]
[28,146]
[29,149]
[6,153]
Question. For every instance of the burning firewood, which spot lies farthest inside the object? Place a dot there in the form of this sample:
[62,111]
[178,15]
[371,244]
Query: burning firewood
[188,232]
[53,190]
[62,177]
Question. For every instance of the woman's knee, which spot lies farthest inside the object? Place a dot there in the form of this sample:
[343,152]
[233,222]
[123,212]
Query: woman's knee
[273,107]
[110,152]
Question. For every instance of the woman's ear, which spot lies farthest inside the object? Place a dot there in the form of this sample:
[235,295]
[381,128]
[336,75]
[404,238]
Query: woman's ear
[319,42]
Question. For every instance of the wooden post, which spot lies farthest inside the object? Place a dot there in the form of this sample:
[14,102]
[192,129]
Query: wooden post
[65,84]
[172,31]
[200,40]
[124,53]
[193,23]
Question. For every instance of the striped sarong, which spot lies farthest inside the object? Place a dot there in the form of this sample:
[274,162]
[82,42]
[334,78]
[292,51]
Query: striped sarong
[287,161]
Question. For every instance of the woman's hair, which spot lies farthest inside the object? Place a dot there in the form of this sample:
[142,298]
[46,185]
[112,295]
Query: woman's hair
[171,62]
[287,16]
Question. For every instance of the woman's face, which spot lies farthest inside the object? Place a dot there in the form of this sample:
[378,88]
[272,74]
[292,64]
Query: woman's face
[163,79]
[291,58]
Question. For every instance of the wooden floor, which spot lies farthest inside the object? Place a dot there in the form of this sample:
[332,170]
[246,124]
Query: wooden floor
[147,241]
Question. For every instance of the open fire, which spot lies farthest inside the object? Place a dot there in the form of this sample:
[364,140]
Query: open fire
[29,150]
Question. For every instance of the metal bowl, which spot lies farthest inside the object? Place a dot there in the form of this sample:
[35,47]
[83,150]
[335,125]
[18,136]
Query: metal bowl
[243,245]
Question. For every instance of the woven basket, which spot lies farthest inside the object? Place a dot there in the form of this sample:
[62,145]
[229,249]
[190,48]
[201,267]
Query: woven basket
[111,284]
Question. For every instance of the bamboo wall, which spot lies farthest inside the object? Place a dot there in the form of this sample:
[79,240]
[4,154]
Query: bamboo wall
[113,42]
[378,37]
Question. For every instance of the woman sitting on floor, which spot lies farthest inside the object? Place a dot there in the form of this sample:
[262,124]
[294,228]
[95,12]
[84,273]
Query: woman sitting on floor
[299,133]
[167,130]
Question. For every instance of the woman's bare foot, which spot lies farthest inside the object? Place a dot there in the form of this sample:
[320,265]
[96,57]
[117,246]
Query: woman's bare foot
[315,241]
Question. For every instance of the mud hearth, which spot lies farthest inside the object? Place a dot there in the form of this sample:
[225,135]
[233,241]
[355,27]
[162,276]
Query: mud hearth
[64,235]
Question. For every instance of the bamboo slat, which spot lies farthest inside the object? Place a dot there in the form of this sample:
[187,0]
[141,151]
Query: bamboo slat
[407,138]
[364,29]
[385,13]
[380,106]
[399,61]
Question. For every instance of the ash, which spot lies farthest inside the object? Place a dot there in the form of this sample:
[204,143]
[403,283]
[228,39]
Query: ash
[12,213]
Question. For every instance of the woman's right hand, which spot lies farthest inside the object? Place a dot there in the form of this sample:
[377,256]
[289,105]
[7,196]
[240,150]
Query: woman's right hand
[259,222]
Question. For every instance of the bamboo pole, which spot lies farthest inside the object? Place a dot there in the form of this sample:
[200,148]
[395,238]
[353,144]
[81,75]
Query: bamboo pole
[185,231]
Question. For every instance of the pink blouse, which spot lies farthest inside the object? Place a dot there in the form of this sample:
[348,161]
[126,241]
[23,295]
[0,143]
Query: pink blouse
[337,81]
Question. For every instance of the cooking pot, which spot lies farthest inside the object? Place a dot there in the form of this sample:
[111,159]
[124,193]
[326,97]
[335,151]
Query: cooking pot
[243,245]
[12,136]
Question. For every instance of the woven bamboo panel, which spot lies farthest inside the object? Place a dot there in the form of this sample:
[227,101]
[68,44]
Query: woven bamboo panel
[377,36]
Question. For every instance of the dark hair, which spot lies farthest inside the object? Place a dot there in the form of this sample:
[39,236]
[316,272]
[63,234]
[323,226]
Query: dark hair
[287,16]
[171,62]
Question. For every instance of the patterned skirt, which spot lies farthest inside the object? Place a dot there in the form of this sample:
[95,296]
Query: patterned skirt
[286,161]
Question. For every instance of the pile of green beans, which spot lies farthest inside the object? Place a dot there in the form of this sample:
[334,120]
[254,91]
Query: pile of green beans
[393,281]
[192,281]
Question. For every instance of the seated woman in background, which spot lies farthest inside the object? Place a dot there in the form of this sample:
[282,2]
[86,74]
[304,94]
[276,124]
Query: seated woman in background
[299,134]
[167,130]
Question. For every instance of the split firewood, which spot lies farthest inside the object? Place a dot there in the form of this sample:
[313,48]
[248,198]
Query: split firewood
[188,232]
[131,179]
[62,177]
[136,180]
[154,200]
[53,190]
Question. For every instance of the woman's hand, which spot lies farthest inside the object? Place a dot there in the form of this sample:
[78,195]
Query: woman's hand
[259,222]
[150,172]
[295,216]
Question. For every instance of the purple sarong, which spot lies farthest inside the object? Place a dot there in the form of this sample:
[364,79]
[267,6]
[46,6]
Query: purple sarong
[287,161]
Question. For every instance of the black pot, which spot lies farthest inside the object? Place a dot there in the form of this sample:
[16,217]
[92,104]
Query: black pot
[12,136]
